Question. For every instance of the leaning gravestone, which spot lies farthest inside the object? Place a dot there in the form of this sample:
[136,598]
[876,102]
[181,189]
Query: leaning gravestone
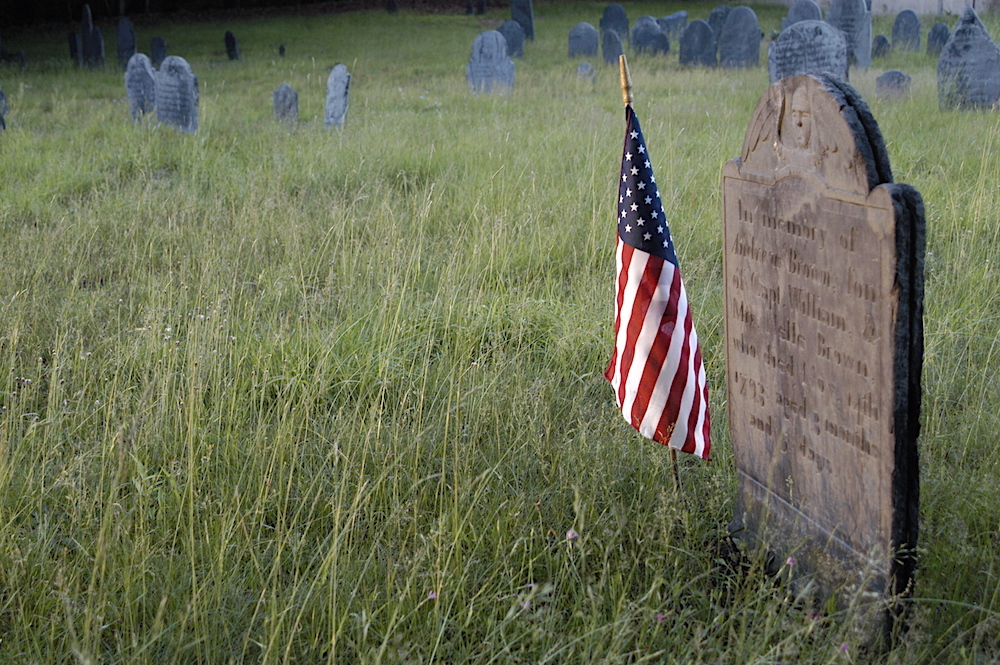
[140,85]
[717,18]
[968,70]
[937,37]
[906,32]
[823,274]
[583,40]
[893,84]
[286,103]
[521,11]
[739,41]
[854,19]
[880,46]
[807,47]
[616,19]
[489,68]
[177,94]
[157,51]
[514,34]
[611,46]
[232,47]
[698,46]
[674,24]
[647,37]
[802,10]
[338,88]
[126,41]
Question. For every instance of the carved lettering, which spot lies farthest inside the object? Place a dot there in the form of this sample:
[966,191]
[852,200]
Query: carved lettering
[849,361]
[808,304]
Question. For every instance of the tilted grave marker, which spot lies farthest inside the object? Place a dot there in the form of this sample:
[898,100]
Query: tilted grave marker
[739,41]
[906,32]
[489,68]
[583,41]
[615,18]
[338,96]
[140,85]
[854,19]
[807,47]
[522,12]
[823,269]
[698,46]
[177,94]
[232,46]
[514,34]
[286,103]
[968,71]
[126,41]
[802,10]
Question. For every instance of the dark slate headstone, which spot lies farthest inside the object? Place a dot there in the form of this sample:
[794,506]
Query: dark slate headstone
[892,84]
[673,25]
[647,37]
[616,19]
[75,48]
[281,50]
[611,47]
[514,34]
[937,38]
[91,41]
[583,41]
[126,41]
[4,109]
[338,89]
[968,70]
[802,10]
[906,32]
[854,19]
[739,41]
[286,103]
[717,18]
[807,47]
[880,46]
[585,71]
[157,51]
[521,11]
[86,21]
[232,48]
[177,94]
[140,85]
[698,46]
[489,68]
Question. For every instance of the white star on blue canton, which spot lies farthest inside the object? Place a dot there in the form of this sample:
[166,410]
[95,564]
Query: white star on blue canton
[628,156]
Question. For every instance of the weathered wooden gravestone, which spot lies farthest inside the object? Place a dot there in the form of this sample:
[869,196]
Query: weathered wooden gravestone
[807,47]
[937,37]
[232,46]
[698,46]
[647,37]
[893,84]
[615,18]
[802,10]
[880,46]
[823,269]
[157,51]
[674,24]
[286,103]
[514,34]
[140,85]
[338,89]
[177,94]
[968,71]
[906,32]
[739,41]
[489,68]
[717,18]
[583,41]
[125,41]
[585,71]
[75,48]
[611,47]
[522,12]
[854,19]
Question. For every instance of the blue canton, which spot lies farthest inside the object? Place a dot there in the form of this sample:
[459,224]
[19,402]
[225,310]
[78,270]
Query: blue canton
[641,220]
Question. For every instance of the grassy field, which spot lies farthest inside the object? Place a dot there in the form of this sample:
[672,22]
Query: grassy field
[277,394]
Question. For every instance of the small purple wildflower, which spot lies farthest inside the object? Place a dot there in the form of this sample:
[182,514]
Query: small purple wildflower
[432,595]
[572,535]
[527,604]
[660,617]
[843,648]
[790,562]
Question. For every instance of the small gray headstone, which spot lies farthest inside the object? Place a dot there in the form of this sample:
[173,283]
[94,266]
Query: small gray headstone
[126,41]
[673,25]
[968,70]
[616,19]
[177,94]
[338,87]
[807,47]
[854,19]
[521,11]
[717,18]
[4,109]
[937,38]
[585,71]
[489,68]
[286,103]
[232,47]
[611,46]
[75,48]
[698,45]
[583,41]
[647,37]
[906,32]
[880,46]
[157,51]
[802,10]
[892,84]
[140,85]
[514,34]
[739,41]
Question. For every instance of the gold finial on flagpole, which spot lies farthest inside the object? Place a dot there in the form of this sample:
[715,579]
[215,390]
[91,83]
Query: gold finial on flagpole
[626,79]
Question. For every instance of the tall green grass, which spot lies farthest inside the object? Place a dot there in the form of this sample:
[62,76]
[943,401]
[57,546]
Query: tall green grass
[279,394]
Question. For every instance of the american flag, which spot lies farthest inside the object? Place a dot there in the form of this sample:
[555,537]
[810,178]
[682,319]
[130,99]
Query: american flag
[656,370]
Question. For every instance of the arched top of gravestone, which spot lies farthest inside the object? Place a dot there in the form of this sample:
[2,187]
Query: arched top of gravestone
[906,31]
[698,46]
[177,94]
[937,37]
[611,47]
[140,85]
[968,70]
[739,41]
[880,46]
[583,40]
[808,47]
[717,18]
[87,21]
[514,34]
[816,124]
[892,84]
[489,67]
[802,10]
[647,37]
[616,19]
